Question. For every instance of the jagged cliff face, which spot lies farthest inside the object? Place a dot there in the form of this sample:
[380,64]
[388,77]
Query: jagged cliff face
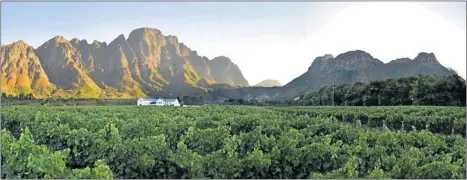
[146,63]
[65,68]
[22,72]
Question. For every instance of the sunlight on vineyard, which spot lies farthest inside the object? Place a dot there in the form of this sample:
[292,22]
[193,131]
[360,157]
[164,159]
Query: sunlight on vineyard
[233,142]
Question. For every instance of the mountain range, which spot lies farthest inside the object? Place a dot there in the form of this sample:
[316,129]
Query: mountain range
[148,63]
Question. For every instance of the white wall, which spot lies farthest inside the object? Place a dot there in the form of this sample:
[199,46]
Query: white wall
[176,103]
[144,102]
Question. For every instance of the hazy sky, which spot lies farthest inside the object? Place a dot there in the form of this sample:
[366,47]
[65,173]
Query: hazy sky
[266,40]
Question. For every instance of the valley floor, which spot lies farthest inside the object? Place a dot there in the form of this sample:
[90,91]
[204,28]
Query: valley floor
[248,142]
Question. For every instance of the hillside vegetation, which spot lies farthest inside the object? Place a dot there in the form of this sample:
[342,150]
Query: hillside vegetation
[415,90]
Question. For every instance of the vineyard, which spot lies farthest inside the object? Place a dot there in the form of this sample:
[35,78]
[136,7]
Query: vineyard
[233,142]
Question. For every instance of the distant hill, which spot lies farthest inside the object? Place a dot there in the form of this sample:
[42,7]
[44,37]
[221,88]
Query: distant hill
[268,83]
[146,63]
[359,66]
[349,67]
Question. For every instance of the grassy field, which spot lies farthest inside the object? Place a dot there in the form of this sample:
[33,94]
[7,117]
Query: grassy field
[233,142]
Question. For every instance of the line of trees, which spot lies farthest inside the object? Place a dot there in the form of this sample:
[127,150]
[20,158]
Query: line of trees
[10,101]
[20,96]
[30,100]
[254,102]
[191,100]
[417,90]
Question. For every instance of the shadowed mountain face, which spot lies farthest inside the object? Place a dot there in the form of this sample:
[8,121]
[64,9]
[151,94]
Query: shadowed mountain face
[147,63]
[225,71]
[64,66]
[349,67]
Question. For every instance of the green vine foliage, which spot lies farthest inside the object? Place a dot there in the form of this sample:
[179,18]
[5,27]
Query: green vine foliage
[25,159]
[233,142]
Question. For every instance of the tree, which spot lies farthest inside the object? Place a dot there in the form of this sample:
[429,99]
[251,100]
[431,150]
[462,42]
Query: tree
[30,96]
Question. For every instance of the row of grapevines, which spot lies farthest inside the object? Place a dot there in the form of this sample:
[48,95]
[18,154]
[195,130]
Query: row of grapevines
[443,120]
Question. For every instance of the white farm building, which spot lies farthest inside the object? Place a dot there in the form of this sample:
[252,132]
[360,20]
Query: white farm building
[158,102]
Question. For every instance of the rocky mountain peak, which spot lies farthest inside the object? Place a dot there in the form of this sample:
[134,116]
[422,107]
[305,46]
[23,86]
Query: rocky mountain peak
[57,40]
[97,44]
[145,33]
[320,59]
[119,40]
[222,59]
[353,60]
[355,55]
[83,41]
[222,66]
[326,57]
[145,30]
[79,43]
[400,61]
[19,43]
[426,58]
[74,41]
[172,40]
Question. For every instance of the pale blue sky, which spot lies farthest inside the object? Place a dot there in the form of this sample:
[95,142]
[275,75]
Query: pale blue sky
[79,18]
[266,40]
